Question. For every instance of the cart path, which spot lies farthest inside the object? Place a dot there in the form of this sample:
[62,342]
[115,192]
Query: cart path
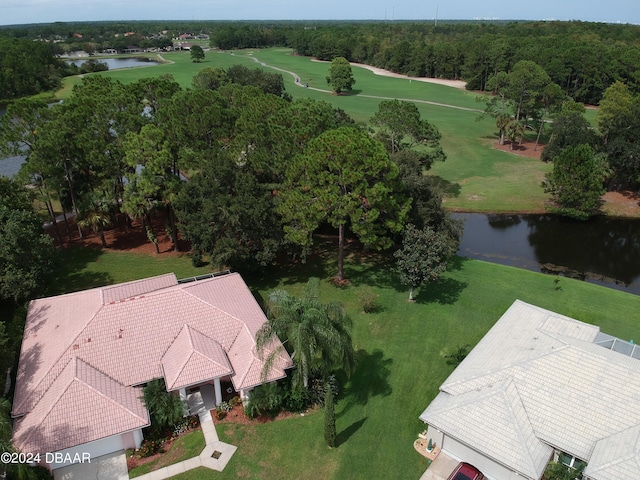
[296,79]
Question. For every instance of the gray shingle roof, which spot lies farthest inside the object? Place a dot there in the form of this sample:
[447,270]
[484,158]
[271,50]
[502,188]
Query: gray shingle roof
[572,392]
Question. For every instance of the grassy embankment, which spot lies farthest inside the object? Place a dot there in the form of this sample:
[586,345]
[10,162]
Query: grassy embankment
[400,362]
[475,176]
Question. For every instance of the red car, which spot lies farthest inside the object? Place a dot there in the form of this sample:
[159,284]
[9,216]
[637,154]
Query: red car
[464,471]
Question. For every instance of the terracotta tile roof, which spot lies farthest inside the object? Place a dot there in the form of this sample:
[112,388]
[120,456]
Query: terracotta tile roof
[127,330]
[82,405]
[192,358]
[122,291]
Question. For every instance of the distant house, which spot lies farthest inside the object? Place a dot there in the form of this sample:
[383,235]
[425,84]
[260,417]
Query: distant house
[85,357]
[182,46]
[541,386]
[132,49]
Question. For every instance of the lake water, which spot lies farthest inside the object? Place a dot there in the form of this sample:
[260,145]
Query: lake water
[605,251]
[116,63]
[11,165]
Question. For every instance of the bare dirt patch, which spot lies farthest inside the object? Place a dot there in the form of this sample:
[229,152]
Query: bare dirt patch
[237,415]
[622,204]
[525,149]
[123,238]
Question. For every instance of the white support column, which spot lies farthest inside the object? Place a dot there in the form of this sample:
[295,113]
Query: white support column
[183,397]
[218,391]
[244,396]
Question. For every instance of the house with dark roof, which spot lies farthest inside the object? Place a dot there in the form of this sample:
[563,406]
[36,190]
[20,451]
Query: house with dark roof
[85,357]
[542,386]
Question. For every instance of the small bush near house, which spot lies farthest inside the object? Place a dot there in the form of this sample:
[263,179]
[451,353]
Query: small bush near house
[149,447]
[222,410]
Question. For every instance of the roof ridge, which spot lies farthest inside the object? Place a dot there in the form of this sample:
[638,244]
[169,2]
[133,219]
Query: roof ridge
[102,394]
[55,362]
[51,404]
[504,368]
[187,357]
[510,400]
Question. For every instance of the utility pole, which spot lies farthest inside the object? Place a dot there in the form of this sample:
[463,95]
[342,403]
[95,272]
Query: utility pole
[436,15]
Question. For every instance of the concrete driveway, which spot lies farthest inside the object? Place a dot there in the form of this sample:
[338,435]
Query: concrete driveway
[441,468]
[107,467]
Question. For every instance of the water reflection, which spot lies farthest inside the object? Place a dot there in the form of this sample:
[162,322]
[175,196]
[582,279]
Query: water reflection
[605,251]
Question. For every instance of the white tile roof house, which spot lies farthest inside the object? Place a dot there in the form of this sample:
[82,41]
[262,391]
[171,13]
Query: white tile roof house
[86,355]
[536,384]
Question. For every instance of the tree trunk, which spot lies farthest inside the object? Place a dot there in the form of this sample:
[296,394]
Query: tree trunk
[52,215]
[172,226]
[73,199]
[411,294]
[102,239]
[340,252]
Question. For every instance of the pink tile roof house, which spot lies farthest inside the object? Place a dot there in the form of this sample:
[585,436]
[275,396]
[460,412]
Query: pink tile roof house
[85,355]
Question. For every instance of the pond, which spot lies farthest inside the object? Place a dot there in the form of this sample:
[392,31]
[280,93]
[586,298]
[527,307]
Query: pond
[117,63]
[604,251]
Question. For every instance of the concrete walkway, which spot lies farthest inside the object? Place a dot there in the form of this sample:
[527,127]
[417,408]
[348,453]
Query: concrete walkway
[440,468]
[216,454]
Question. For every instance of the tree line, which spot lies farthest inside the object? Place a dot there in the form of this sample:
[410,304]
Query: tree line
[582,58]
[28,68]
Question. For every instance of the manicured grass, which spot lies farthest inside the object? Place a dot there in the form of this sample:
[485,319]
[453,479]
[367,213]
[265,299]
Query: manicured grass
[475,176]
[83,268]
[185,447]
[400,362]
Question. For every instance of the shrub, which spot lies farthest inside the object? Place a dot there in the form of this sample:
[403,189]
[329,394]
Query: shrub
[264,400]
[222,410]
[296,401]
[188,423]
[235,401]
[317,388]
[149,447]
[369,301]
[458,355]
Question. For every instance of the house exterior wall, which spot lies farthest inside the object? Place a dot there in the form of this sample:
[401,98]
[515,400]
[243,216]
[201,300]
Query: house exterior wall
[435,436]
[90,451]
[132,439]
[491,469]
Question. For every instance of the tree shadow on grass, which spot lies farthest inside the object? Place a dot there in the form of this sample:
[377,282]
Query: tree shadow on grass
[345,434]
[70,275]
[369,380]
[445,291]
[448,188]
[376,270]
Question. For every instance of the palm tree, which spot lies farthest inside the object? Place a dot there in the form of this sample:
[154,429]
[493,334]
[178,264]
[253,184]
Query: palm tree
[165,408]
[316,334]
[94,213]
[515,132]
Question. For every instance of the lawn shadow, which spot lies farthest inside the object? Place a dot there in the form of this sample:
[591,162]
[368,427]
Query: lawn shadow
[373,270]
[345,434]
[448,188]
[370,379]
[288,271]
[70,275]
[445,291]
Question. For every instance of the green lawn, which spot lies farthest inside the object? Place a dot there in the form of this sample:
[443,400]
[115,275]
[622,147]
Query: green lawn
[475,176]
[185,447]
[83,268]
[399,351]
